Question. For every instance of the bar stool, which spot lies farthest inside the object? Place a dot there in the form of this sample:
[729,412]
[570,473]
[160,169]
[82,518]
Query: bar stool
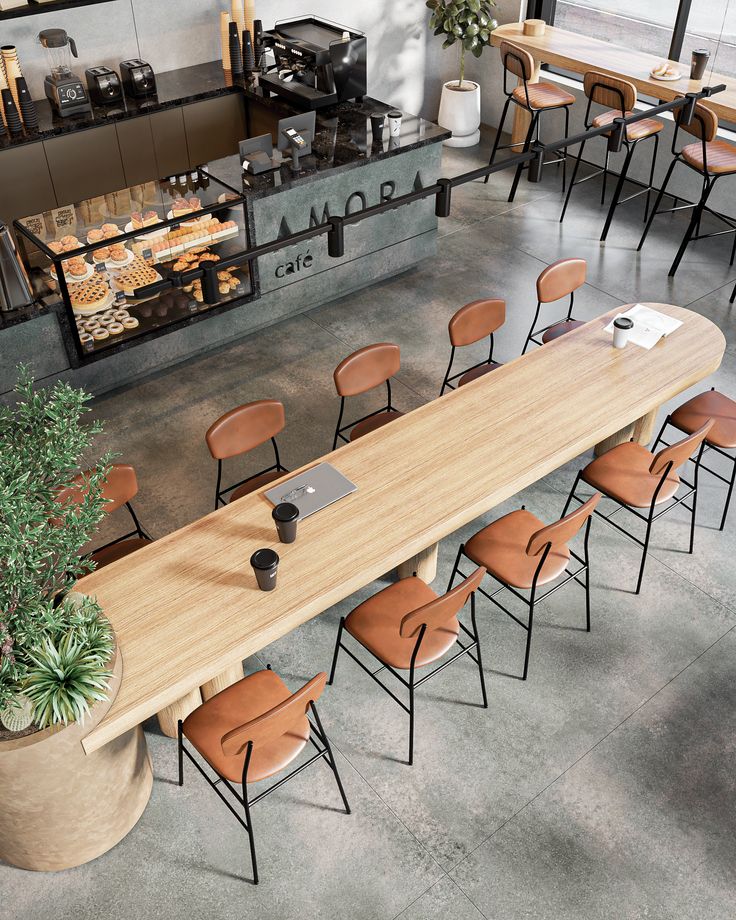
[522,553]
[721,438]
[560,329]
[558,280]
[364,370]
[711,159]
[534,98]
[619,96]
[635,478]
[406,627]
[118,488]
[252,730]
[240,430]
[471,323]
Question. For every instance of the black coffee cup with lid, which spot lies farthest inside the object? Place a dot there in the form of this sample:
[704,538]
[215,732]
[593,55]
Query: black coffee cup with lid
[265,564]
[286,515]
[377,122]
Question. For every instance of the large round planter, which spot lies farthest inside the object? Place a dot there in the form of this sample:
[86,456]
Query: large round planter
[61,807]
[460,112]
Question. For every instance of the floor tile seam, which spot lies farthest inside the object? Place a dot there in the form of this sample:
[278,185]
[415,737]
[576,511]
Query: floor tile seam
[453,882]
[587,753]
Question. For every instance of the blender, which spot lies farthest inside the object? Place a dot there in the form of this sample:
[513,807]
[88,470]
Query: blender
[64,89]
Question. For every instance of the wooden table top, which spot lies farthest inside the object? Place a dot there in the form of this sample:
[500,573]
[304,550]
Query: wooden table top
[187,606]
[580,53]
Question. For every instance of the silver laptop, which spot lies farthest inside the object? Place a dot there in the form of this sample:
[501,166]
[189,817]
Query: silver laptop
[312,491]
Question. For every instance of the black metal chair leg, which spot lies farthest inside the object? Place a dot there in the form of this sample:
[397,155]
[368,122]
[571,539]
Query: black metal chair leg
[180,750]
[564,149]
[665,423]
[691,228]
[532,328]
[249,825]
[337,649]
[728,496]
[572,181]
[528,640]
[657,202]
[498,136]
[571,495]
[331,763]
[651,177]
[605,177]
[477,649]
[520,167]
[617,192]
[644,554]
[455,567]
[733,249]
[587,597]
[411,720]
[733,295]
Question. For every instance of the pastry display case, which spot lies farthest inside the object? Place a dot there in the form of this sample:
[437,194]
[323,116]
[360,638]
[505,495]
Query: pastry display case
[129,264]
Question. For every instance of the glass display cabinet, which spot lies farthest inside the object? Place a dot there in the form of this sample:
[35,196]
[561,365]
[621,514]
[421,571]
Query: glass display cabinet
[130,264]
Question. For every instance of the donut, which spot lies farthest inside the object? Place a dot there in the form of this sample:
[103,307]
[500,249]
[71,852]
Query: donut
[115,328]
[100,334]
[120,315]
[130,322]
[85,338]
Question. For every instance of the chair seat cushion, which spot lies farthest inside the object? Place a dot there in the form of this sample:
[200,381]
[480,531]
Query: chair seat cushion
[243,701]
[375,624]
[543,96]
[646,127]
[251,485]
[477,372]
[374,422]
[501,548]
[623,473]
[560,329]
[109,554]
[710,405]
[720,156]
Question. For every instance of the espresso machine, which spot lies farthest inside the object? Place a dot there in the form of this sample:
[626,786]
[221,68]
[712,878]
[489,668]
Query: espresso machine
[318,63]
[65,89]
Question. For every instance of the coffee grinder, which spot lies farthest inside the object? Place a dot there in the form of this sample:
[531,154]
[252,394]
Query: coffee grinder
[65,90]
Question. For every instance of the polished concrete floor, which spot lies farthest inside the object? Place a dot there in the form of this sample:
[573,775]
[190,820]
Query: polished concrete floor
[603,787]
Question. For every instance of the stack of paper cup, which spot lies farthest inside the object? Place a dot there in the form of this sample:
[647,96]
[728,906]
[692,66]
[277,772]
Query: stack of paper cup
[250,14]
[225,41]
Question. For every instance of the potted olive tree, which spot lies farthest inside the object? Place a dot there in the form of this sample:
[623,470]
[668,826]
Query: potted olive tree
[468,25]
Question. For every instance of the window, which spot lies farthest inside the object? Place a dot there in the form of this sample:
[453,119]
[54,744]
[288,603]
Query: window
[712,25]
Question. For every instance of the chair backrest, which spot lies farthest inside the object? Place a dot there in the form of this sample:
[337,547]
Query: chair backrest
[704,124]
[366,368]
[564,530]
[680,451]
[245,427]
[475,321]
[516,60]
[612,92]
[560,279]
[276,722]
[120,486]
[437,613]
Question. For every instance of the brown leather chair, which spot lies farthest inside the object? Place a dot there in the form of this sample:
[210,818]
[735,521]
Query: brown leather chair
[252,730]
[118,489]
[523,553]
[710,159]
[619,98]
[635,478]
[360,372]
[558,280]
[534,98]
[406,627]
[560,329]
[472,323]
[721,438]
[239,431]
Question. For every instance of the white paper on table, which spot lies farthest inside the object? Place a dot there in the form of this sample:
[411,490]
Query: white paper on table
[649,325]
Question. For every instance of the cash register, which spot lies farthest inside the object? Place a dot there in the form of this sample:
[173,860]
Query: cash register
[317,63]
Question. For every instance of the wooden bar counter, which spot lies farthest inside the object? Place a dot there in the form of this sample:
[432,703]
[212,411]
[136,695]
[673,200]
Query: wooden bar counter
[187,608]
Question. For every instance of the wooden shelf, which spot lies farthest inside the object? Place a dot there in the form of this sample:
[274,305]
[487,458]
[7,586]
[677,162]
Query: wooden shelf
[32,9]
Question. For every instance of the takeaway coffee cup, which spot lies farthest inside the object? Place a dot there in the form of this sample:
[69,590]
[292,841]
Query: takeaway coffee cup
[622,327]
[377,120]
[698,63]
[286,516]
[265,564]
[394,123]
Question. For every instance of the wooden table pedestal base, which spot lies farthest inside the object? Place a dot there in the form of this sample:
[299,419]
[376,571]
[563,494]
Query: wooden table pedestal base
[641,431]
[424,564]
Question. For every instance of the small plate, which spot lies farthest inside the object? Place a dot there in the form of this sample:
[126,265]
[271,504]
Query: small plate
[190,221]
[73,279]
[148,234]
[667,79]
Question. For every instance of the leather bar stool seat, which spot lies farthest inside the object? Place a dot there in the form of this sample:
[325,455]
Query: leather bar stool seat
[249,698]
[560,329]
[255,483]
[120,550]
[646,127]
[720,155]
[376,624]
[543,96]
[478,372]
[374,423]
[709,405]
[501,549]
[624,474]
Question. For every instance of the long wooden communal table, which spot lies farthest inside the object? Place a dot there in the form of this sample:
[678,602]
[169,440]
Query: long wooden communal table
[580,53]
[187,608]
